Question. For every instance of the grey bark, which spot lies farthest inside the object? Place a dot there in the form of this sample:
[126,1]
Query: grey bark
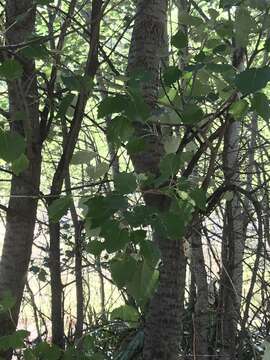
[162,327]
[21,215]
[233,236]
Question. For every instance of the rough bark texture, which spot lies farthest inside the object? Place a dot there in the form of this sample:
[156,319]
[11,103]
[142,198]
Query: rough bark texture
[162,328]
[21,215]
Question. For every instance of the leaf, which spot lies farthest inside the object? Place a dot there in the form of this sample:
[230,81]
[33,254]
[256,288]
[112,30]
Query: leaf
[174,224]
[143,283]
[65,104]
[11,70]
[119,130]
[83,157]
[35,51]
[192,114]
[170,164]
[199,196]
[125,183]
[180,40]
[239,109]
[12,145]
[14,341]
[171,75]
[59,208]
[20,164]
[252,80]
[171,144]
[116,238]
[260,104]
[96,172]
[123,270]
[7,302]
[45,351]
[125,313]
[77,82]
[112,105]
[187,19]
[244,23]
[150,252]
[95,247]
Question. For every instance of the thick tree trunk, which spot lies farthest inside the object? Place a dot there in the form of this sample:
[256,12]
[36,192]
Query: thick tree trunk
[21,215]
[162,328]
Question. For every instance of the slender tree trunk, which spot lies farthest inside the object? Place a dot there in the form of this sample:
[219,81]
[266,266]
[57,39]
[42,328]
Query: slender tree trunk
[21,215]
[61,173]
[162,327]
[233,237]
[201,315]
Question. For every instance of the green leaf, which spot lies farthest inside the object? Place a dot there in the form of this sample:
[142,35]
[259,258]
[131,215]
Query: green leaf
[171,144]
[125,313]
[58,208]
[150,252]
[11,70]
[187,19]
[200,198]
[137,236]
[28,354]
[35,51]
[123,270]
[20,164]
[170,164]
[244,23]
[45,351]
[98,171]
[65,104]
[180,40]
[143,283]
[192,114]
[174,224]
[83,157]
[252,80]
[125,183]
[260,104]
[12,146]
[116,238]
[77,82]
[239,109]
[112,105]
[7,302]
[119,130]
[95,247]
[14,341]
[171,75]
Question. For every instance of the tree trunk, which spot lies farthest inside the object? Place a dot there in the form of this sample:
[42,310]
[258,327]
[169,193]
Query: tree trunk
[21,215]
[61,173]
[233,237]
[162,327]
[201,315]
